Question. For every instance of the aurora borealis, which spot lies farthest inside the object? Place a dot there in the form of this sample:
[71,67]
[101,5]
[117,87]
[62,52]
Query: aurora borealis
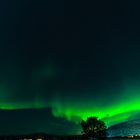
[61,62]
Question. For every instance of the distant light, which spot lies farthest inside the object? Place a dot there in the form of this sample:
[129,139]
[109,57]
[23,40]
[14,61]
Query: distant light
[130,136]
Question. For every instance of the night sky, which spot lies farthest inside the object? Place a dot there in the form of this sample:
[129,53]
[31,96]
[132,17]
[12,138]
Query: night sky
[63,61]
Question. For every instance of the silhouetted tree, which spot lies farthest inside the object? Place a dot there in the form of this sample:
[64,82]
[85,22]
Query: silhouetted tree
[94,128]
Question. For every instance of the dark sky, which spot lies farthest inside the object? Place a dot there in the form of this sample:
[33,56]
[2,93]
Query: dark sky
[62,61]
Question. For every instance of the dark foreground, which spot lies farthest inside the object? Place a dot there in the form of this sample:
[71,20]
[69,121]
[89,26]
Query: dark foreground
[53,137]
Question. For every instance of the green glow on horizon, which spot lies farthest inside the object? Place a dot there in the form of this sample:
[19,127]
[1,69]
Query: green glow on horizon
[71,112]
[118,112]
[109,113]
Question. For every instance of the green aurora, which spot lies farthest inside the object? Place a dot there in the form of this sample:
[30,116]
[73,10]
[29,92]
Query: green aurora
[73,110]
